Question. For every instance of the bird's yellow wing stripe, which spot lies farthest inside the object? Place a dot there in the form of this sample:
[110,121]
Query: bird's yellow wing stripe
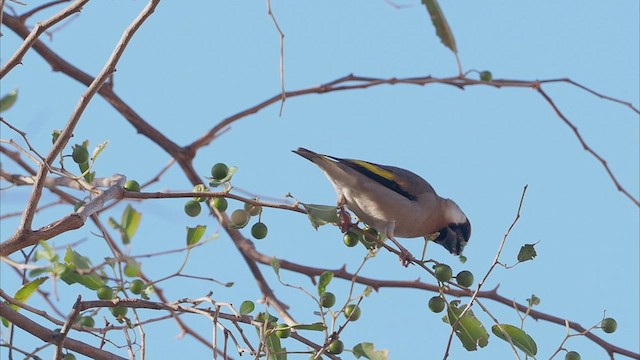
[375,169]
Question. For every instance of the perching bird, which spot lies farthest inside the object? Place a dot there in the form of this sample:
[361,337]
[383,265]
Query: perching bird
[394,201]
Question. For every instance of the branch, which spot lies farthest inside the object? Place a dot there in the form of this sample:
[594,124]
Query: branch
[586,147]
[52,337]
[38,30]
[65,135]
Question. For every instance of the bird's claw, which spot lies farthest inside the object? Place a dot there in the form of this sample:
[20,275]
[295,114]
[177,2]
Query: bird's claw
[345,220]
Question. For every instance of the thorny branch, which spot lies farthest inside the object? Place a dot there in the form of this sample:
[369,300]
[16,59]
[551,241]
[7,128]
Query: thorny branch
[184,155]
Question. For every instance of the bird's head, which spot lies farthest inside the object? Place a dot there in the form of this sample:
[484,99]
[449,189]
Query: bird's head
[456,234]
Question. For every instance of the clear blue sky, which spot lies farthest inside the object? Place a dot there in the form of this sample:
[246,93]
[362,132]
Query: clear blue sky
[191,66]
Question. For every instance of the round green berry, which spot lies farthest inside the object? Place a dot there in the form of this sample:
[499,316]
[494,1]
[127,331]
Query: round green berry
[572,355]
[436,304]
[259,230]
[351,239]
[609,325]
[327,300]
[119,311]
[80,154]
[87,321]
[104,292]
[240,218]
[369,244]
[254,210]
[352,312]
[486,76]
[443,272]
[219,203]
[132,269]
[69,356]
[192,208]
[219,171]
[136,286]
[336,347]
[132,185]
[464,278]
[283,331]
[200,188]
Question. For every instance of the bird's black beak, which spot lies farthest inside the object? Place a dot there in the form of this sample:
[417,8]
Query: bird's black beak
[455,237]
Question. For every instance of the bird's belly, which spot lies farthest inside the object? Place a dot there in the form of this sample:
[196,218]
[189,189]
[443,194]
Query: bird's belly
[402,214]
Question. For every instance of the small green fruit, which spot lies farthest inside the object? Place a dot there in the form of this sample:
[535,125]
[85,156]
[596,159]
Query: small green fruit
[369,244]
[443,272]
[136,286]
[436,304]
[104,292]
[336,347]
[219,203]
[200,188]
[352,311]
[327,300]
[486,76]
[351,239]
[464,278]
[283,331]
[192,208]
[572,355]
[259,230]
[132,185]
[87,321]
[240,218]
[609,325]
[132,269]
[80,154]
[219,171]
[69,356]
[119,311]
[254,210]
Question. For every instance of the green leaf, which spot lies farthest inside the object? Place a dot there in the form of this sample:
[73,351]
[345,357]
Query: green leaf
[314,327]
[469,329]
[527,252]
[367,350]
[519,338]
[440,23]
[195,234]
[274,349]
[46,252]
[534,300]
[323,282]
[69,274]
[130,221]
[275,264]
[23,294]
[8,100]
[217,182]
[247,307]
[321,214]
[74,258]
[98,149]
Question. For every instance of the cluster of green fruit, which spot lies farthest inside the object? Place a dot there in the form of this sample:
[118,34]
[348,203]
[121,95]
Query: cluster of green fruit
[240,217]
[353,237]
[443,273]
[105,292]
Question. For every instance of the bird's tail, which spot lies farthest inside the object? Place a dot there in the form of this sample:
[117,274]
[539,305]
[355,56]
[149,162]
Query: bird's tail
[310,155]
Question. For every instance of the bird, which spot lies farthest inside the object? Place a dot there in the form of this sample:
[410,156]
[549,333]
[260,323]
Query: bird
[394,201]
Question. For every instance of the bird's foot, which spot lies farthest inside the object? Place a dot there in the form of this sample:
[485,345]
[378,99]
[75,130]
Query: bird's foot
[406,257]
[345,219]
